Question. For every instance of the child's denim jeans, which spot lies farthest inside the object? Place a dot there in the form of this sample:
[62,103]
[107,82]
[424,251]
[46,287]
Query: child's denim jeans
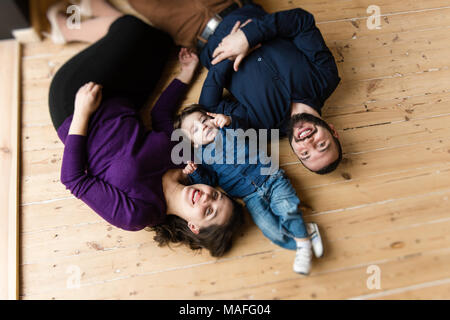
[274,209]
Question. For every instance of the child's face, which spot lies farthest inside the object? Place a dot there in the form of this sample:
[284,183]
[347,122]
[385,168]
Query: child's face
[199,128]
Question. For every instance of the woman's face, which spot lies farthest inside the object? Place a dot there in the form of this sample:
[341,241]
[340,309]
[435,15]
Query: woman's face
[204,206]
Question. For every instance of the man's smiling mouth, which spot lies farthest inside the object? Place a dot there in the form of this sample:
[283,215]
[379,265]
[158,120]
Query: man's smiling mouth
[305,133]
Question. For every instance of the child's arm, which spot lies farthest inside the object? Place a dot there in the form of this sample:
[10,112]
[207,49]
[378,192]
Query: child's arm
[164,109]
[199,174]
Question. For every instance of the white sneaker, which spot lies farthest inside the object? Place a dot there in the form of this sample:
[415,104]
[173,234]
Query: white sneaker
[316,239]
[302,262]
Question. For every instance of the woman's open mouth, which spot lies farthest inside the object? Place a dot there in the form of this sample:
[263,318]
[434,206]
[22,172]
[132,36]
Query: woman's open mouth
[196,194]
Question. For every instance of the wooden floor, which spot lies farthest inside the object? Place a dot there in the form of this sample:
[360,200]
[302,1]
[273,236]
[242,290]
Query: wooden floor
[387,205]
[10,58]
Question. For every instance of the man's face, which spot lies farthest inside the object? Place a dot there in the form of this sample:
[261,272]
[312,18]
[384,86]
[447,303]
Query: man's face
[312,141]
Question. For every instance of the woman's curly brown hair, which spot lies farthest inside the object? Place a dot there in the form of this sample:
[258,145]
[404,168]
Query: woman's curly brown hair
[217,239]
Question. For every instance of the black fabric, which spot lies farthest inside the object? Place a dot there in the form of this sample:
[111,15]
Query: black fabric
[233,7]
[226,11]
[128,62]
[223,14]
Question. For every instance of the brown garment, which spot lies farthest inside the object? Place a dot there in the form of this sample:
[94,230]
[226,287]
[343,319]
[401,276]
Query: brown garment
[183,20]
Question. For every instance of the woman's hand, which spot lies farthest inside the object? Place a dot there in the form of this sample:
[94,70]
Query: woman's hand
[220,120]
[235,46]
[189,62]
[190,168]
[88,99]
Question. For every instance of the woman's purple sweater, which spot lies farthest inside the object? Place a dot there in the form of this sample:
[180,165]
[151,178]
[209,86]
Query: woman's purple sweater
[117,169]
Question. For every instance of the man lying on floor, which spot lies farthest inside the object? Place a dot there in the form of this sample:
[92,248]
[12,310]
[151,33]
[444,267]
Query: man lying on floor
[283,84]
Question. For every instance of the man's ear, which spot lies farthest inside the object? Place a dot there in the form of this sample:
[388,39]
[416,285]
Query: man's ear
[333,131]
[193,228]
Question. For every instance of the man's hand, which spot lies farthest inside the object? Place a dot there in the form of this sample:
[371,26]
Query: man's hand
[220,120]
[190,168]
[88,99]
[235,46]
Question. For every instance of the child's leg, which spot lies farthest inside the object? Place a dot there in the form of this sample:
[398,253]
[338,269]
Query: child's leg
[259,208]
[271,225]
[284,204]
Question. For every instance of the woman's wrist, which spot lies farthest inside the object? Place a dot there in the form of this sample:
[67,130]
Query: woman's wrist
[79,123]
[82,115]
[186,75]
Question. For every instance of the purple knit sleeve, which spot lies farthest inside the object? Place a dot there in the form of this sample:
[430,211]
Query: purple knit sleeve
[113,205]
[164,109]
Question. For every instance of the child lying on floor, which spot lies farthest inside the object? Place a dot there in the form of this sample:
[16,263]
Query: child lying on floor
[270,199]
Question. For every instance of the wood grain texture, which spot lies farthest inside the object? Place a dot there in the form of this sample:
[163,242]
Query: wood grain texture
[10,58]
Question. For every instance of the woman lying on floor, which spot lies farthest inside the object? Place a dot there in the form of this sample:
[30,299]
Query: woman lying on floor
[120,170]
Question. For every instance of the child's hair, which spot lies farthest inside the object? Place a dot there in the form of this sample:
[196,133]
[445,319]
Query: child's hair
[187,111]
[217,239]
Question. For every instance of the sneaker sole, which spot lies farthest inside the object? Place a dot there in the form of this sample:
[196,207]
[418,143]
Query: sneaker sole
[320,237]
[305,274]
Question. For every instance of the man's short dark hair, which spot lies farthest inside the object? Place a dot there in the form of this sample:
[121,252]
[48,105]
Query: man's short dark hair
[332,166]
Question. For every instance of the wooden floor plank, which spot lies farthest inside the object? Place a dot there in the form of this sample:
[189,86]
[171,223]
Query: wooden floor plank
[352,282]
[434,290]
[403,109]
[274,270]
[10,168]
[360,92]
[370,189]
[390,24]
[337,226]
[337,10]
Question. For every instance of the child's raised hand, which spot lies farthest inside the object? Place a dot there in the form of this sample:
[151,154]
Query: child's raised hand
[190,168]
[220,120]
